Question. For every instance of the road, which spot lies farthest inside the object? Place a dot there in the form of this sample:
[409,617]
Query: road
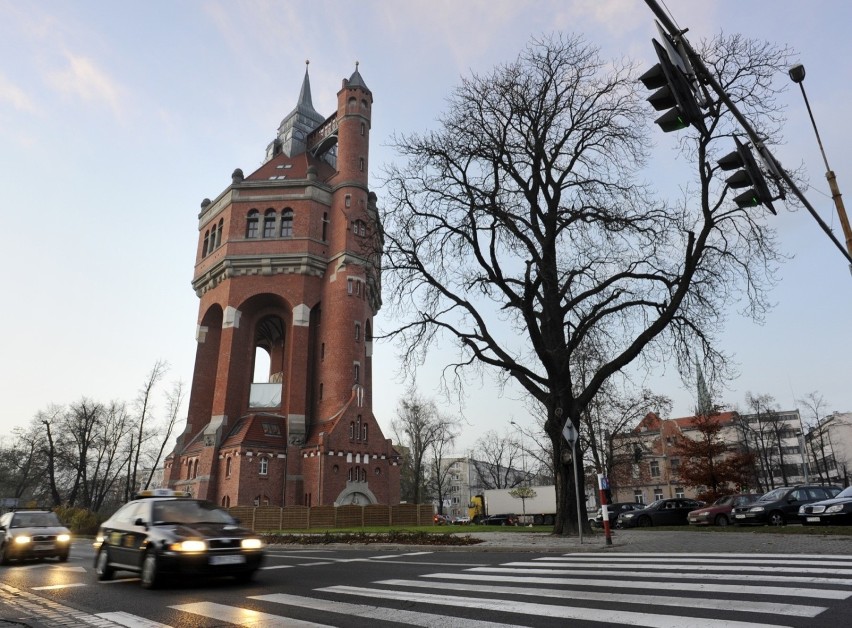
[335,586]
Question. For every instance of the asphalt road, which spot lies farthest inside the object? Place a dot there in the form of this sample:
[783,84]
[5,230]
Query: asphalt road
[650,578]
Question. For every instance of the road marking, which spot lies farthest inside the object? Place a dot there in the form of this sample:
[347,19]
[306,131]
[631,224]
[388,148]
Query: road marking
[829,594]
[796,610]
[131,621]
[58,586]
[678,576]
[378,613]
[382,557]
[52,568]
[700,567]
[279,566]
[602,615]
[724,560]
[243,616]
[717,555]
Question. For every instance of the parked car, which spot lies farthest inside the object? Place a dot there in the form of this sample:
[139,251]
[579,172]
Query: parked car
[440,520]
[614,510]
[461,521]
[500,520]
[33,534]
[719,512]
[663,512]
[832,512]
[782,504]
[164,533]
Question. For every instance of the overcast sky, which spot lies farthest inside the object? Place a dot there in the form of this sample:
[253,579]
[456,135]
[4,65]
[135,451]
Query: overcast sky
[118,118]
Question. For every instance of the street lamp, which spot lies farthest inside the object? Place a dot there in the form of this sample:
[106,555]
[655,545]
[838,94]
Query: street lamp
[797,75]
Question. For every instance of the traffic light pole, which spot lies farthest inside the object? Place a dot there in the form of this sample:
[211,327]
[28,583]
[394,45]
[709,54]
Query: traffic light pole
[706,76]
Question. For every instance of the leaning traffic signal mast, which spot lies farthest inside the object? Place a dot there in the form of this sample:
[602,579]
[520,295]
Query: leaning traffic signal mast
[756,195]
[750,175]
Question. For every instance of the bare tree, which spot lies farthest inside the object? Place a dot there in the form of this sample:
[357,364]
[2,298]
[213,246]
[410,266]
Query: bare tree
[446,433]
[498,461]
[816,410]
[174,401]
[143,432]
[533,189]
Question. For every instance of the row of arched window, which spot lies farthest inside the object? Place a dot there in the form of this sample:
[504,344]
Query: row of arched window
[358,430]
[358,474]
[262,466]
[271,226]
[212,238]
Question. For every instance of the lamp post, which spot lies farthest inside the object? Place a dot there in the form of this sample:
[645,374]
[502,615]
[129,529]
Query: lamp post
[797,75]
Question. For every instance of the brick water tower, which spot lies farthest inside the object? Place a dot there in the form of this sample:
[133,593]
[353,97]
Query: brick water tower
[288,276]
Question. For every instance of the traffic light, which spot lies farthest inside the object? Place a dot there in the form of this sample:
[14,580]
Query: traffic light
[674,93]
[750,175]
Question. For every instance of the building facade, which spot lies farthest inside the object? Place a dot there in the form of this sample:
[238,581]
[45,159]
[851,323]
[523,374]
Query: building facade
[288,276]
[829,446]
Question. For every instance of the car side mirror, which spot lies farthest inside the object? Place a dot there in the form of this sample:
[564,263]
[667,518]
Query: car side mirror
[3,528]
[140,522]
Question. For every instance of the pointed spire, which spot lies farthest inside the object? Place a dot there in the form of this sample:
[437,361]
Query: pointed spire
[356,80]
[705,404]
[305,93]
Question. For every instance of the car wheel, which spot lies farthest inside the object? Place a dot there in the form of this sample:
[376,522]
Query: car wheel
[776,518]
[150,575]
[645,522]
[722,520]
[102,567]
[63,558]
[4,554]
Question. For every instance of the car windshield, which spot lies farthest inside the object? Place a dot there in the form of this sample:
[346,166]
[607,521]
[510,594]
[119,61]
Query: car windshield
[725,499]
[652,505]
[189,511]
[35,520]
[846,492]
[772,496]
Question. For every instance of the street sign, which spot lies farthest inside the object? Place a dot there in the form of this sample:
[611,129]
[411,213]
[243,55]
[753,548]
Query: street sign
[569,433]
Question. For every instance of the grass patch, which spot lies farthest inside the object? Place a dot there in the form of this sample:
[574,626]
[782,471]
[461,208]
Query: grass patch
[361,537]
[798,530]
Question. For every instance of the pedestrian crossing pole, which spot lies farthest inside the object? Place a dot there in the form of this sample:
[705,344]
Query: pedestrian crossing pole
[603,485]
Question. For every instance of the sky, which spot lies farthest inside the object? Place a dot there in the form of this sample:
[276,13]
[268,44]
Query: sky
[118,118]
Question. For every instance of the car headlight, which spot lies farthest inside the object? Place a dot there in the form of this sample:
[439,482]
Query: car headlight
[834,508]
[189,546]
[801,510]
[63,538]
[251,544]
[22,540]
[756,509]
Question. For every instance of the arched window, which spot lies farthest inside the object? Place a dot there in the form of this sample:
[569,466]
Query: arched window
[195,468]
[350,474]
[361,164]
[219,233]
[269,223]
[206,247]
[363,475]
[352,430]
[264,465]
[287,223]
[358,427]
[226,502]
[359,228]
[368,332]
[364,432]
[363,128]
[228,467]
[324,226]
[252,223]
[357,331]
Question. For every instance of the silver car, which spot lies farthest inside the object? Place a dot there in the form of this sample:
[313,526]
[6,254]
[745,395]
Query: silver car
[33,534]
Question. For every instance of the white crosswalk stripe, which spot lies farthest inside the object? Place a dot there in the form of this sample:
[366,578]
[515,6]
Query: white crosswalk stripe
[657,590]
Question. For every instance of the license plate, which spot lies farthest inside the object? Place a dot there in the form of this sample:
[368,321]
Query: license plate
[44,547]
[739,516]
[230,559]
[812,519]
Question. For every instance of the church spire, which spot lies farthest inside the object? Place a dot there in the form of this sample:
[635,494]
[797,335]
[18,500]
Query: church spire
[305,93]
[294,129]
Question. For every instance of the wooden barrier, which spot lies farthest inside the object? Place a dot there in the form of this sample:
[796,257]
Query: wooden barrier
[274,518]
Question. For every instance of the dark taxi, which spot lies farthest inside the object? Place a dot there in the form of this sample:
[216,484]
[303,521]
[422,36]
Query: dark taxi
[33,534]
[164,533]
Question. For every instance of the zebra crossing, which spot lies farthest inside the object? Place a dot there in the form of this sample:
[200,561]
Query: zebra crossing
[659,590]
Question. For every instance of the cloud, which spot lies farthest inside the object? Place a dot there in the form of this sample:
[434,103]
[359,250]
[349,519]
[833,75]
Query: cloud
[84,80]
[14,95]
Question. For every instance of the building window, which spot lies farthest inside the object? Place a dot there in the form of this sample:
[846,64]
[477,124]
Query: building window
[357,288]
[349,283]
[264,466]
[357,332]
[359,227]
[361,164]
[377,471]
[638,497]
[364,432]
[206,243]
[219,233]
[350,474]
[679,492]
[363,128]
[655,468]
[228,467]
[347,200]
[226,502]
[658,494]
[363,475]
[357,372]
[358,427]
[352,430]
[251,223]
[287,223]
[324,226]
[269,223]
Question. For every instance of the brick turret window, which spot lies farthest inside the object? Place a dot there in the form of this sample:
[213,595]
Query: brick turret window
[252,223]
[264,466]
[269,223]
[287,223]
